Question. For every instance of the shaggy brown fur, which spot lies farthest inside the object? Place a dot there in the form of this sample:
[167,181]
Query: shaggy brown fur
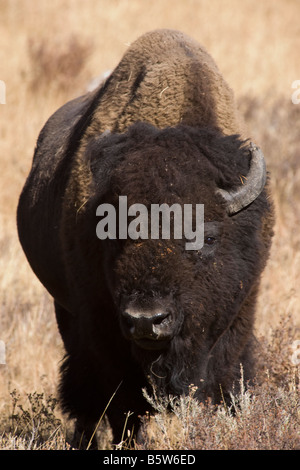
[165,78]
[172,121]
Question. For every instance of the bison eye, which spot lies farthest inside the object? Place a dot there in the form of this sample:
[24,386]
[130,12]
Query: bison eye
[209,240]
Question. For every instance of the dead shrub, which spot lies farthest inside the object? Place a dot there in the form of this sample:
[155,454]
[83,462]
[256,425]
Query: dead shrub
[260,417]
[57,63]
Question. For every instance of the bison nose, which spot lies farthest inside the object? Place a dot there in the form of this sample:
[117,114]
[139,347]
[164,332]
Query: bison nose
[146,325]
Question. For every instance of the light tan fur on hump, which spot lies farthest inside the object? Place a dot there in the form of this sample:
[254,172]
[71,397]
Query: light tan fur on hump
[165,78]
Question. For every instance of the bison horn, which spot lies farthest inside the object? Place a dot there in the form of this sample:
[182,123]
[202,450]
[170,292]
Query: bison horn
[253,186]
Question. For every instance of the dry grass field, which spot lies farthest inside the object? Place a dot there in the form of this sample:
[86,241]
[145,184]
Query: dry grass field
[49,52]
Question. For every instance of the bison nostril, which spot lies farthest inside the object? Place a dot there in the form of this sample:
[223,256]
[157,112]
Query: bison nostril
[161,318]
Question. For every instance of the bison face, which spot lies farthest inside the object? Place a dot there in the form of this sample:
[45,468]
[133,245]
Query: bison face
[167,294]
[163,294]
[176,306]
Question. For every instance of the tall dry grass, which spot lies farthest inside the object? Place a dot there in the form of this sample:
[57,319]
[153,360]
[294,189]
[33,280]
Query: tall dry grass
[49,52]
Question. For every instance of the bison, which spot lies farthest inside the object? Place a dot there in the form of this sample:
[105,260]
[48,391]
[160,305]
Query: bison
[162,129]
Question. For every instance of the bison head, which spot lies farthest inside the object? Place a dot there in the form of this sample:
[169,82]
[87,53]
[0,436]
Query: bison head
[187,313]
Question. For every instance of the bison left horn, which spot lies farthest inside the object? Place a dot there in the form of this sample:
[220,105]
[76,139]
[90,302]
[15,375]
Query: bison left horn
[253,186]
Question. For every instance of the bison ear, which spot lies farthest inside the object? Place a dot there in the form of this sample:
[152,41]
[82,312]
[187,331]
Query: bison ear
[102,155]
[254,184]
[94,146]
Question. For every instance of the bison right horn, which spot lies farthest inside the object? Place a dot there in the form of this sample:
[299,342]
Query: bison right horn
[243,196]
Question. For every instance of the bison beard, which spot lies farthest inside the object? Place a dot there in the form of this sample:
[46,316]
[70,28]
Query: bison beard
[184,364]
[169,371]
[163,128]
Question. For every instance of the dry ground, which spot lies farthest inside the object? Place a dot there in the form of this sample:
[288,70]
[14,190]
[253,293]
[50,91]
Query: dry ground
[49,52]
